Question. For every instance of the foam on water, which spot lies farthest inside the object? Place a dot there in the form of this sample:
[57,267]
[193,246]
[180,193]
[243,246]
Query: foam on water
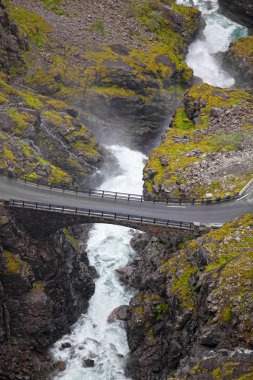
[217,35]
[108,249]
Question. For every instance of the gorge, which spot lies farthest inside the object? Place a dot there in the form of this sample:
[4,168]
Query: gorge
[178,323]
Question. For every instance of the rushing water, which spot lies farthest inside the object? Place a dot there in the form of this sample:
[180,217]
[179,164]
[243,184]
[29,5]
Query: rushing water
[217,35]
[92,337]
[108,249]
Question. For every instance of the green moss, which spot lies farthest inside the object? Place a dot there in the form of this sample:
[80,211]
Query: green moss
[20,119]
[226,370]
[112,91]
[161,310]
[3,98]
[243,48]
[44,79]
[181,120]
[54,5]
[31,23]
[31,99]
[71,239]
[97,27]
[171,161]
[15,264]
[8,154]
[38,286]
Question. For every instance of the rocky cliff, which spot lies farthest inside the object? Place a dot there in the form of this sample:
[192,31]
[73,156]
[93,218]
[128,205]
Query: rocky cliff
[40,138]
[10,43]
[192,316]
[125,78]
[239,10]
[44,287]
[239,61]
[208,147]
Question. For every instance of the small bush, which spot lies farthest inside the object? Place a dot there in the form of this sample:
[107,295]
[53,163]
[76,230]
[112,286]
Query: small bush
[97,27]
[53,5]
[232,141]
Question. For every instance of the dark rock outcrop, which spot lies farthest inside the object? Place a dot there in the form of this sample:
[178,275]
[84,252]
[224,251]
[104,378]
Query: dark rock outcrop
[239,10]
[10,42]
[238,60]
[44,287]
[192,316]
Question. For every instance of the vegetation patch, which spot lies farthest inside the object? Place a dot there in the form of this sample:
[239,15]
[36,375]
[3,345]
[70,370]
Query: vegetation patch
[31,23]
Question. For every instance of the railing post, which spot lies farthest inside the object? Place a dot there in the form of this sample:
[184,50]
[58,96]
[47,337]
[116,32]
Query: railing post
[193,201]
[76,189]
[89,212]
[89,191]
[62,208]
[23,204]
[128,198]
[115,196]
[103,194]
[180,201]
[127,217]
[154,220]
[115,215]
[141,199]
[167,200]
[36,205]
[49,207]
[76,211]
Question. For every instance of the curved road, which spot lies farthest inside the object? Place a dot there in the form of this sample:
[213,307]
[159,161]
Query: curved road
[204,214]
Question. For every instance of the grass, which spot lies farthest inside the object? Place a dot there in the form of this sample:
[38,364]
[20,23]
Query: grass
[97,27]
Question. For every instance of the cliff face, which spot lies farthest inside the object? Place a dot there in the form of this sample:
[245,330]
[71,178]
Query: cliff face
[121,63]
[192,317]
[44,287]
[239,61]
[10,42]
[41,138]
[239,10]
[201,151]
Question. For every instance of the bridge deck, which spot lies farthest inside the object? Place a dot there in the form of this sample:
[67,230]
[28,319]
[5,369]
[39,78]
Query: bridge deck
[205,214]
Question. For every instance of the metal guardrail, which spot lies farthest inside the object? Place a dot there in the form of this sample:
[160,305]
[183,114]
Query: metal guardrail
[118,195]
[101,214]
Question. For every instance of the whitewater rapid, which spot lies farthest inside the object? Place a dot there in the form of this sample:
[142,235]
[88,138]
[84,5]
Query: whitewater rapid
[218,33]
[108,248]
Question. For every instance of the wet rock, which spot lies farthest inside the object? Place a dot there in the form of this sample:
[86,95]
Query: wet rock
[239,10]
[61,366]
[87,363]
[40,297]
[120,313]
[65,345]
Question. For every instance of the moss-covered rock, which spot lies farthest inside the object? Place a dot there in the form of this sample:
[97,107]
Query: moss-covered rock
[120,87]
[192,317]
[239,61]
[208,147]
[43,139]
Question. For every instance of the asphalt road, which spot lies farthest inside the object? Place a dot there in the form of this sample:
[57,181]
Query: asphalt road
[205,214]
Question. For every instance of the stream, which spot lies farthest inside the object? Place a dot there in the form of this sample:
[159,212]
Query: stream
[92,337]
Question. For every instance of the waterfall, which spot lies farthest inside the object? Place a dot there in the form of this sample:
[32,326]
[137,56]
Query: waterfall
[217,35]
[108,248]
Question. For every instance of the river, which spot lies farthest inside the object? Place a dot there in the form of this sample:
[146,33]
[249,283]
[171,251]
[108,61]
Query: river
[108,248]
